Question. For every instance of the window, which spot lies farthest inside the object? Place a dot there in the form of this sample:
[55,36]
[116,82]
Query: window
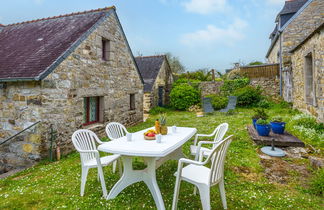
[309,78]
[132,101]
[91,110]
[105,49]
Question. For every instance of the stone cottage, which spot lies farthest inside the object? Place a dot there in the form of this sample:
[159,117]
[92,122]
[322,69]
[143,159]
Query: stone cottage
[158,79]
[294,23]
[70,71]
[308,73]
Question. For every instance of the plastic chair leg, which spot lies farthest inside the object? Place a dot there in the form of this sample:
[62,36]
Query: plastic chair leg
[84,175]
[204,192]
[222,193]
[102,180]
[176,193]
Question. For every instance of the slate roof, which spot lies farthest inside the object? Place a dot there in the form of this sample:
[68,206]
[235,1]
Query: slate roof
[292,6]
[29,50]
[149,66]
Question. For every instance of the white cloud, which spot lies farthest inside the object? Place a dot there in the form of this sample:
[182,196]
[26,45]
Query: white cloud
[276,2]
[211,34]
[205,6]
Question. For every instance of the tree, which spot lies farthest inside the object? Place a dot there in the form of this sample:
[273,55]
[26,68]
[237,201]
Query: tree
[254,63]
[175,64]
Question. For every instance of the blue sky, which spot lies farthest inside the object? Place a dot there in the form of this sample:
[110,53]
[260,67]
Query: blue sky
[202,33]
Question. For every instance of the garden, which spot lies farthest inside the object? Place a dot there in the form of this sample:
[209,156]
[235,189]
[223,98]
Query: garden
[251,181]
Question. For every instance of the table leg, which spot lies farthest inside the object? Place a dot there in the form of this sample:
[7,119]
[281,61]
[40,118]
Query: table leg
[131,176]
[149,177]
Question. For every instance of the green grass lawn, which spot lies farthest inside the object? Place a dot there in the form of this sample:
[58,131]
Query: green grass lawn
[57,185]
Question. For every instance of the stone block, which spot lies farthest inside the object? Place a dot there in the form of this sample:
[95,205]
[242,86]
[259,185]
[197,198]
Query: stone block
[35,138]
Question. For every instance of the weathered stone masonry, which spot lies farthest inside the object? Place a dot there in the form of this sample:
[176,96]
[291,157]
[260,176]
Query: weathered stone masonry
[58,99]
[315,45]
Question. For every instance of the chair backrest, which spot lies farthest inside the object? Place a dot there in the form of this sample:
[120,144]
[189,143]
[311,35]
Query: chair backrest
[115,130]
[217,158]
[220,132]
[232,100]
[84,139]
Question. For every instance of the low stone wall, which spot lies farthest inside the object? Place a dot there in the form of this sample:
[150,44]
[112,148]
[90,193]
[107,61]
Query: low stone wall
[270,86]
[208,88]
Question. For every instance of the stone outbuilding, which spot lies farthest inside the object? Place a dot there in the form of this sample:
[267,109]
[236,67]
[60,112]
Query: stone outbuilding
[71,71]
[296,20]
[294,24]
[158,80]
[308,73]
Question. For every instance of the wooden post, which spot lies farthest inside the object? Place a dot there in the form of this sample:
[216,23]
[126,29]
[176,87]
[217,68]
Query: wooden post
[213,74]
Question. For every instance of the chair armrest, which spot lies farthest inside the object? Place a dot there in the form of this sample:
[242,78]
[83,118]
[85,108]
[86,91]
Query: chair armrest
[198,155]
[201,135]
[185,160]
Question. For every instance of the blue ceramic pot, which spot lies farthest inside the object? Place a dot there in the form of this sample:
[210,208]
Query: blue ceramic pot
[254,121]
[263,130]
[278,127]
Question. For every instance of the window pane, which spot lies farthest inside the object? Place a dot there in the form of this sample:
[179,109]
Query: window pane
[93,109]
[132,101]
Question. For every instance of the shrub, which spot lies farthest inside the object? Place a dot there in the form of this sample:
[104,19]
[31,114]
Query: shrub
[218,102]
[309,122]
[264,103]
[277,119]
[230,86]
[260,114]
[305,127]
[248,96]
[183,96]
[262,122]
[284,104]
[158,110]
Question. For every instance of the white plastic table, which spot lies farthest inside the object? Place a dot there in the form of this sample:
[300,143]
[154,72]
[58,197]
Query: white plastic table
[153,153]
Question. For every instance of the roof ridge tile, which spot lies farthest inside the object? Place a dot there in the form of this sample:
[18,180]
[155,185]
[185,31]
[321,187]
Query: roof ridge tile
[60,16]
[151,56]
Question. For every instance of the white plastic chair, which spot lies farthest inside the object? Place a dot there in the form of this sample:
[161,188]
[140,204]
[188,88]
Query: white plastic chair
[201,176]
[219,133]
[84,142]
[115,130]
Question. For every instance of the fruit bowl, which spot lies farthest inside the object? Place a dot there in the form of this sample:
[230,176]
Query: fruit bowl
[149,138]
[150,134]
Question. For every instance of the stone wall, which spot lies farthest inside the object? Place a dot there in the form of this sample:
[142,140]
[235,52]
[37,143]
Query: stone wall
[316,46]
[273,55]
[270,86]
[209,88]
[164,79]
[58,99]
[306,22]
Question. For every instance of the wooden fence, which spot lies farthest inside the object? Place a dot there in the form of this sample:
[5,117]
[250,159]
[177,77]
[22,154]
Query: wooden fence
[260,71]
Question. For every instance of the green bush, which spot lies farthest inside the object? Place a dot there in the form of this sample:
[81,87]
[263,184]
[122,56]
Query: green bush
[308,122]
[262,122]
[248,96]
[183,96]
[230,86]
[264,103]
[260,114]
[218,102]
[307,129]
[317,183]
